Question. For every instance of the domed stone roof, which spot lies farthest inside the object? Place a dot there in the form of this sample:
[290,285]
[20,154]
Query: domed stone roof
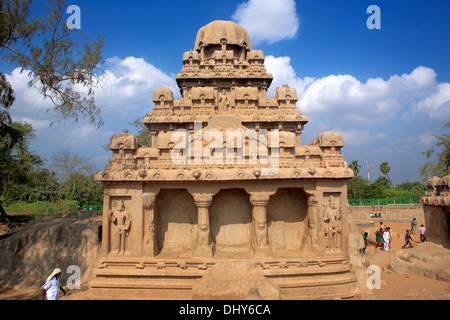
[215,31]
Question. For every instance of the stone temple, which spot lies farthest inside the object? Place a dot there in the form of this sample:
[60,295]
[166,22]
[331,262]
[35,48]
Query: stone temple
[226,200]
[436,208]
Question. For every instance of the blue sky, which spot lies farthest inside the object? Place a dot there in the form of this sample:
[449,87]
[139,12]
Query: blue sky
[386,90]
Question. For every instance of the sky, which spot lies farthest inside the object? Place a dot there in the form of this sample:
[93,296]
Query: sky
[386,90]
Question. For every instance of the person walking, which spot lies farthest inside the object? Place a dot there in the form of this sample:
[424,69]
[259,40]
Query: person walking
[386,238]
[379,238]
[413,225]
[50,290]
[365,235]
[423,233]
[407,240]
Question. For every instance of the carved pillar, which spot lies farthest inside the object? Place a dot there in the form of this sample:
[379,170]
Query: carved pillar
[106,225]
[260,233]
[204,247]
[149,240]
[315,225]
[298,138]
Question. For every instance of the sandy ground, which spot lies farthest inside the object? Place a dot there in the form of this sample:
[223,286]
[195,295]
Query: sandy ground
[393,286]
[405,286]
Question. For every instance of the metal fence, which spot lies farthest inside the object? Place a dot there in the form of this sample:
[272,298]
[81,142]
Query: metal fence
[382,202]
[92,207]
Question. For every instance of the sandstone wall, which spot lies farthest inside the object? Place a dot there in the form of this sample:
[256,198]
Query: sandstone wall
[29,255]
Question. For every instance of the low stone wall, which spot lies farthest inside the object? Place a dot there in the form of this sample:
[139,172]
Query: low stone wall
[389,213]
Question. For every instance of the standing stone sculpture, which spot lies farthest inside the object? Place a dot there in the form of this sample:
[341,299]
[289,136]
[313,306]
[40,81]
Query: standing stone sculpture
[121,220]
[225,181]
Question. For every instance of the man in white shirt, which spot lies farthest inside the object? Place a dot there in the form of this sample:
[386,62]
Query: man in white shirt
[387,238]
[50,290]
[423,233]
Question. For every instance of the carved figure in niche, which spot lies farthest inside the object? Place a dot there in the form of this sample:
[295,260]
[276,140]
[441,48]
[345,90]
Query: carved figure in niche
[332,228]
[203,235]
[312,235]
[224,102]
[121,219]
[149,240]
[260,233]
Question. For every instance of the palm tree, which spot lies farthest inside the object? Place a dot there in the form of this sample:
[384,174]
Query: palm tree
[355,167]
[384,169]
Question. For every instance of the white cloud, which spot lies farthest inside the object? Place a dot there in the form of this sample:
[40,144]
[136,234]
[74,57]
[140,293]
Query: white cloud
[128,85]
[360,138]
[125,93]
[343,99]
[29,104]
[433,107]
[426,138]
[268,20]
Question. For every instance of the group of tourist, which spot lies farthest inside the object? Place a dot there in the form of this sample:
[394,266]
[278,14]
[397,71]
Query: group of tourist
[383,236]
[422,230]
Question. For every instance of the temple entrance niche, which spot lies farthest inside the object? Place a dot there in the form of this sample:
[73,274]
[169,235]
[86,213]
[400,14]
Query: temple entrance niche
[286,220]
[176,223]
[230,221]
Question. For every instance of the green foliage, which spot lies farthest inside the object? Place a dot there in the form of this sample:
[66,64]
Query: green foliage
[355,167]
[64,67]
[41,185]
[440,165]
[17,162]
[385,169]
[84,190]
[23,180]
[356,188]
[40,208]
[359,188]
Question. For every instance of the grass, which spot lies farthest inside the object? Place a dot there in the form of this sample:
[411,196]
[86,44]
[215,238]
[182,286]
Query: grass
[40,208]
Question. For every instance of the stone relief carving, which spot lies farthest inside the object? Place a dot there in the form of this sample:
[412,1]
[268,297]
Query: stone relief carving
[332,227]
[121,222]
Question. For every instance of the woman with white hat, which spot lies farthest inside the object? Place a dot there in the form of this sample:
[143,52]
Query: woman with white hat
[50,289]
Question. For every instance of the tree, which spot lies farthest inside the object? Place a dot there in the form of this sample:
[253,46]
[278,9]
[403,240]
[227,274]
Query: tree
[58,64]
[385,169]
[69,165]
[143,134]
[357,188]
[72,171]
[17,162]
[441,163]
[355,167]
[378,189]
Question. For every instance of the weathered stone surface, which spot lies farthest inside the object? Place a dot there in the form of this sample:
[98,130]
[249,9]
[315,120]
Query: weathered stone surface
[29,255]
[234,281]
[436,207]
[425,259]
